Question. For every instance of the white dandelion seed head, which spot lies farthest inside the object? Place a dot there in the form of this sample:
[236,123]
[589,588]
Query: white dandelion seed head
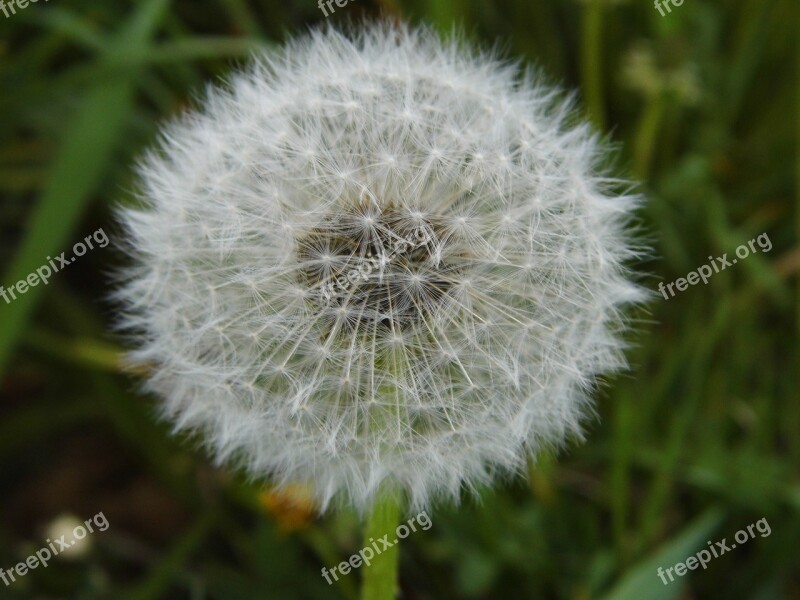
[379,258]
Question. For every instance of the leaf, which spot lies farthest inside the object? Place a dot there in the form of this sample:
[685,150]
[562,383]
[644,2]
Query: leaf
[643,581]
[83,159]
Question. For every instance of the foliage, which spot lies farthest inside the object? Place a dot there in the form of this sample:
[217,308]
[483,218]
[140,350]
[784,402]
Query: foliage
[699,439]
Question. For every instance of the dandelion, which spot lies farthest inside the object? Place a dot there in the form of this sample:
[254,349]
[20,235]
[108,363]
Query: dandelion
[379,261]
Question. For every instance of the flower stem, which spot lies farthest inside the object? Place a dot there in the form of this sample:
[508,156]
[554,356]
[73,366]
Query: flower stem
[380,578]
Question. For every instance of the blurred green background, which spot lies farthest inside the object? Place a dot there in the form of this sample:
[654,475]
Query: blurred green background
[699,439]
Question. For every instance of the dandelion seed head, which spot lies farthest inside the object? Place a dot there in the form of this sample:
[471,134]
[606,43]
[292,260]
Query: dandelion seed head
[378,258]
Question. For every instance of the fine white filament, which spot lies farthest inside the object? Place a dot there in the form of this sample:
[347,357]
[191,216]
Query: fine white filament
[379,257]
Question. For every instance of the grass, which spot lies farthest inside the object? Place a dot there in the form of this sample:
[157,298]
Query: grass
[698,440]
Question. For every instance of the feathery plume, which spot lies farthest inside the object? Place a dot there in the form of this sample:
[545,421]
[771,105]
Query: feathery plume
[379,258]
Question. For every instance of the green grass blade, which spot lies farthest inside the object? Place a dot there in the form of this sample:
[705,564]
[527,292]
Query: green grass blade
[643,582]
[83,159]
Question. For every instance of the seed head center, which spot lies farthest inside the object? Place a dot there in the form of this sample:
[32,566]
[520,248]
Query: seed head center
[374,265]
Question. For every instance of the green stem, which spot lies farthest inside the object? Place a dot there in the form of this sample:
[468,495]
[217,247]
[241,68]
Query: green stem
[646,135]
[380,577]
[591,61]
[92,354]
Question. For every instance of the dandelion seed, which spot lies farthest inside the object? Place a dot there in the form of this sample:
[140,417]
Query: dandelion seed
[375,259]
